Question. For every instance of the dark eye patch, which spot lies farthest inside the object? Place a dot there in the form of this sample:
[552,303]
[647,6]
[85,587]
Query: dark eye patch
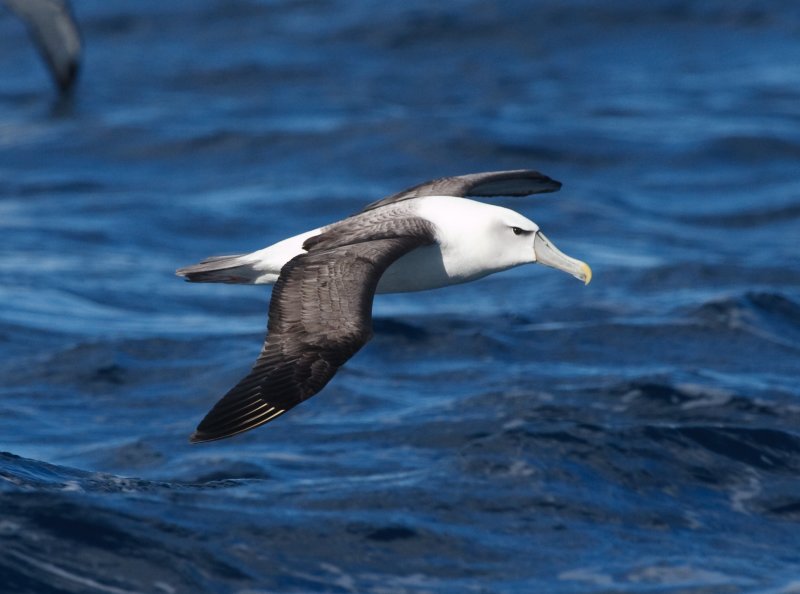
[518,231]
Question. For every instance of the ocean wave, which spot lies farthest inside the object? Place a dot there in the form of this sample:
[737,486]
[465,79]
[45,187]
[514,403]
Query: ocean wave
[18,474]
[770,315]
[748,219]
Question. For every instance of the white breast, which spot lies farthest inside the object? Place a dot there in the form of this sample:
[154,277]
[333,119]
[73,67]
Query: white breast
[464,252]
[419,270]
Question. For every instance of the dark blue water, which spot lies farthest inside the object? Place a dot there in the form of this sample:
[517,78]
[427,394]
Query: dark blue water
[521,434]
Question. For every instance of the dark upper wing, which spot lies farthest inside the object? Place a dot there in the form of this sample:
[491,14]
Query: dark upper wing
[518,182]
[55,32]
[320,315]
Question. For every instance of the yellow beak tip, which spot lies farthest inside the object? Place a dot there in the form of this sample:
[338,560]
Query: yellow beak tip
[587,274]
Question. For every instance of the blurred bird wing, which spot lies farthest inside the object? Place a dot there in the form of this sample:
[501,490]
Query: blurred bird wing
[56,34]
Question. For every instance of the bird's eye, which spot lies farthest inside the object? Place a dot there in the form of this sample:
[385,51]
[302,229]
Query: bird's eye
[517,231]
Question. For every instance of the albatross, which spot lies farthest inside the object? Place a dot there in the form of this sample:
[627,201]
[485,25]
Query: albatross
[320,314]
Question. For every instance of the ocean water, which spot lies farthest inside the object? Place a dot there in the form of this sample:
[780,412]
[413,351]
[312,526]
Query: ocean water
[520,434]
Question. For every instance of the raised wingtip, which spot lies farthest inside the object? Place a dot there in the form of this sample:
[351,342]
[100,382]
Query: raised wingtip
[552,185]
[515,182]
[184,273]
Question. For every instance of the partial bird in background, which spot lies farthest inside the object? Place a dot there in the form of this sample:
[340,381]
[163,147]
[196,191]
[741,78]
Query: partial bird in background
[55,32]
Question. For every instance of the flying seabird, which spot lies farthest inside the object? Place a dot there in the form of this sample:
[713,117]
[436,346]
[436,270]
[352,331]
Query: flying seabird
[55,32]
[320,315]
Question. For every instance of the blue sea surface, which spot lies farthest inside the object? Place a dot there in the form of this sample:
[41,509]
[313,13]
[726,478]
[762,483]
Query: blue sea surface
[519,434]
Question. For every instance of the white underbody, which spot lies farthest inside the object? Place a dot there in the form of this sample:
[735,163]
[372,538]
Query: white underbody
[462,252]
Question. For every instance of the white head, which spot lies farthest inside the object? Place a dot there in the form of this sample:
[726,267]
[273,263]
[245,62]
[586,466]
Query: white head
[477,239]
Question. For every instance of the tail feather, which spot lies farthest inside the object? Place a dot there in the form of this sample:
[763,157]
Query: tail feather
[237,269]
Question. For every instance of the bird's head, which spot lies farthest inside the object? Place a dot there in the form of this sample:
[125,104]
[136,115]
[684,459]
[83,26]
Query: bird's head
[479,239]
[518,240]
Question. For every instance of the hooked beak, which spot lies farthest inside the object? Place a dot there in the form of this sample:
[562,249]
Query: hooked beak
[546,253]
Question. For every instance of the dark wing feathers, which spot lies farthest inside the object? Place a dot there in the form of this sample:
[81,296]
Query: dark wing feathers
[518,182]
[383,224]
[320,315]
